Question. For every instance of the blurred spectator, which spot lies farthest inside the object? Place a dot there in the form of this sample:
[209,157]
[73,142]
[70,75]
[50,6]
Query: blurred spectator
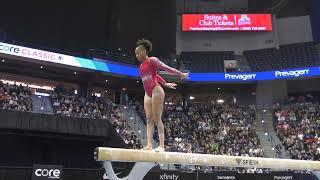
[279,151]
[14,97]
[297,125]
[212,129]
[66,103]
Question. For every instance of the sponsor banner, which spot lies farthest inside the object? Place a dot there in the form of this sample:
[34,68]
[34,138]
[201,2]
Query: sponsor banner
[170,175]
[284,176]
[256,76]
[247,162]
[118,173]
[38,54]
[47,56]
[226,22]
[174,175]
[46,172]
[126,70]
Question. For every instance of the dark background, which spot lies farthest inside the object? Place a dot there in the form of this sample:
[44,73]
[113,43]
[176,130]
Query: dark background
[99,24]
[76,26]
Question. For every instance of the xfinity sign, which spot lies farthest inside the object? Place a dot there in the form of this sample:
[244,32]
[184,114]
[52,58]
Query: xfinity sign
[46,172]
[166,176]
[294,73]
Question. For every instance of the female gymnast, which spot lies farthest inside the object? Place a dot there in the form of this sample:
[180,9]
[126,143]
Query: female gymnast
[154,94]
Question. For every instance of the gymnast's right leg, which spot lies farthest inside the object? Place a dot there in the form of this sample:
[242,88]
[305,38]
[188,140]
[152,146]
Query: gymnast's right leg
[150,121]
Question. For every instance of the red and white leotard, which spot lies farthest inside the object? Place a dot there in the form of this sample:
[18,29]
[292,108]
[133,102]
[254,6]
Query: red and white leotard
[149,76]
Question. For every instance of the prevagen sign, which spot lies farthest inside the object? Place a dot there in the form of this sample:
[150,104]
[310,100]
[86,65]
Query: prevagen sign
[243,77]
[255,76]
[99,65]
[293,73]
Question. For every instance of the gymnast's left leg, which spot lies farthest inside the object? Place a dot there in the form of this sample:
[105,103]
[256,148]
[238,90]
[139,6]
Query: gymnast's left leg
[157,108]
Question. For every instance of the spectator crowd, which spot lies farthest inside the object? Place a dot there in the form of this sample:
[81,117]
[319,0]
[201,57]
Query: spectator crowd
[212,129]
[297,124]
[67,103]
[14,97]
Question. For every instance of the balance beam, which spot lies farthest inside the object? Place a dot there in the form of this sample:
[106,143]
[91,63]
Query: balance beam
[130,155]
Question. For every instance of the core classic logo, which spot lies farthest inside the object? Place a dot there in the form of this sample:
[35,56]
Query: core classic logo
[9,49]
[295,73]
[50,173]
[247,162]
[243,77]
[45,172]
[166,176]
[28,52]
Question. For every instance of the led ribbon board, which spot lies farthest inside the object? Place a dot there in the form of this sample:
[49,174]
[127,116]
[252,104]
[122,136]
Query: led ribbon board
[119,69]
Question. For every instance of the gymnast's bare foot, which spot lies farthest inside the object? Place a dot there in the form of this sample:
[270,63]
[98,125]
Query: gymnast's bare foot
[147,148]
[159,149]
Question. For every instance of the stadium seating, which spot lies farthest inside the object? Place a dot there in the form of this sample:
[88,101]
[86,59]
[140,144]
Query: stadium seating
[205,61]
[286,57]
[297,125]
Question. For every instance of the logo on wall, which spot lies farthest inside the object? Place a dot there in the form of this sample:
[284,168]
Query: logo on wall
[105,175]
[238,160]
[282,177]
[46,172]
[242,77]
[244,20]
[293,73]
[226,177]
[171,176]
[247,162]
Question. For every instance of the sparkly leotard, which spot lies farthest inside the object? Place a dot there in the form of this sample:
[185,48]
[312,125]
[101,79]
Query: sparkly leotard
[148,73]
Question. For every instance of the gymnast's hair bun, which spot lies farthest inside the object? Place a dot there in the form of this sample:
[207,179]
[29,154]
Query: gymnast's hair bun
[146,44]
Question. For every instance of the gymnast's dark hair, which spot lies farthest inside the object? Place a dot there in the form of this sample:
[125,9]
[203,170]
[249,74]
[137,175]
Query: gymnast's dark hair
[146,44]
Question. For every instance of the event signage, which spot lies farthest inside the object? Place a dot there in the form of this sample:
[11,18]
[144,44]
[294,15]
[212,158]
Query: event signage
[133,71]
[46,172]
[226,22]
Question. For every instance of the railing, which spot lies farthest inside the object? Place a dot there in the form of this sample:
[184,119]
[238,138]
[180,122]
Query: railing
[270,137]
[137,120]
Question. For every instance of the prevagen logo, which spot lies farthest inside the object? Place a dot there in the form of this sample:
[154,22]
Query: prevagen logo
[226,177]
[282,177]
[243,77]
[294,73]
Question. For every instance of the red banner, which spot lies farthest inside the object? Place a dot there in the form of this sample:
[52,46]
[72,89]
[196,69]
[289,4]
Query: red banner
[226,22]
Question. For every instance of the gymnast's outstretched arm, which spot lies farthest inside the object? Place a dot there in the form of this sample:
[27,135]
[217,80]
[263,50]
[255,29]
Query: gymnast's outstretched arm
[156,62]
